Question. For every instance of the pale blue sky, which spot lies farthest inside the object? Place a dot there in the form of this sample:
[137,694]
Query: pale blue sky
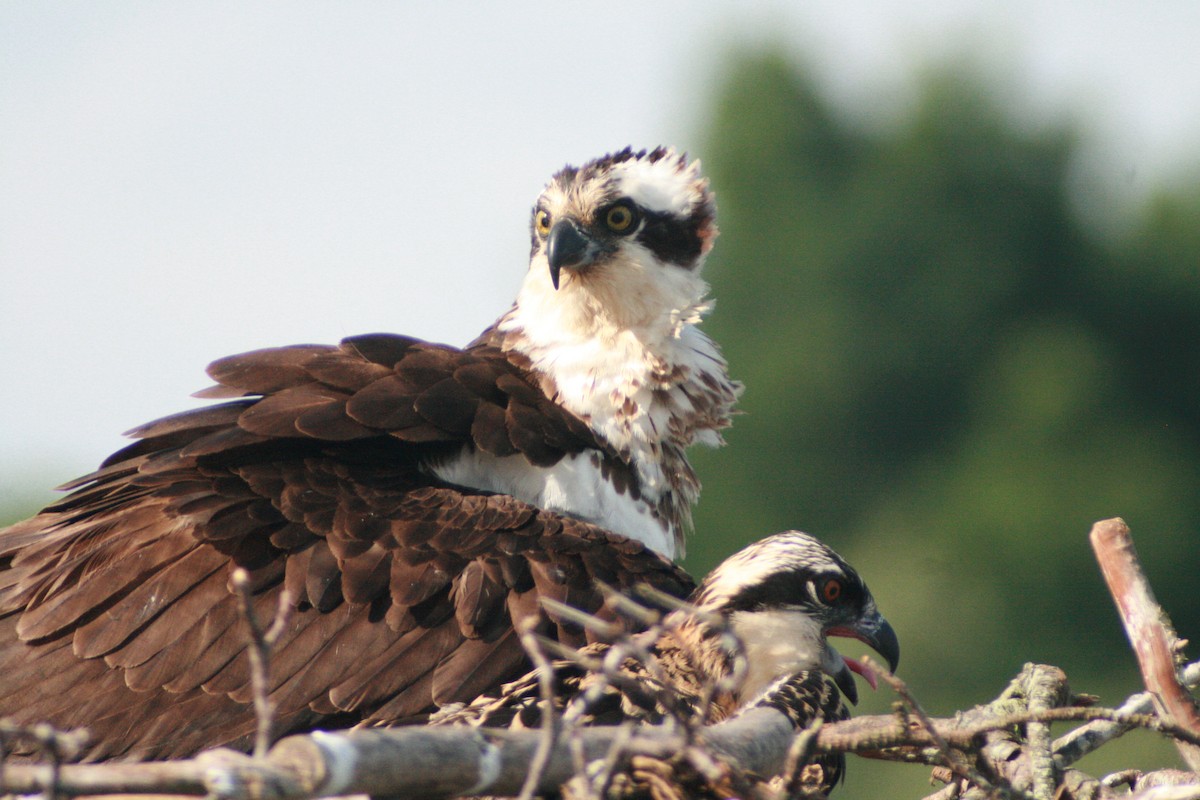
[186,180]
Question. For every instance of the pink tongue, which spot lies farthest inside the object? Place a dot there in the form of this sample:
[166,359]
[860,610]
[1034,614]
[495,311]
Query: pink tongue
[868,675]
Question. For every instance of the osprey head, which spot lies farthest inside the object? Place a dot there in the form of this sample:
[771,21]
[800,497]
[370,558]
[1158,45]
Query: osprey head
[624,213]
[783,597]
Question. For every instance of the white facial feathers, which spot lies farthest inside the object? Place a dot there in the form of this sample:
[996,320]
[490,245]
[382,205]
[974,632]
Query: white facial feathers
[669,184]
[751,567]
[778,643]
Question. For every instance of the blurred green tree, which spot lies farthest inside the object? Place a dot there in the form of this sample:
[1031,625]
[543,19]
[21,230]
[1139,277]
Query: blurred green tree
[950,376]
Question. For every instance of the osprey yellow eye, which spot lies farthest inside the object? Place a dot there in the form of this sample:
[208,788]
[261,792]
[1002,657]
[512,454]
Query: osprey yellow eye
[620,218]
[541,221]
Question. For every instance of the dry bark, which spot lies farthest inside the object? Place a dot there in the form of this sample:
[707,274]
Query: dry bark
[1149,630]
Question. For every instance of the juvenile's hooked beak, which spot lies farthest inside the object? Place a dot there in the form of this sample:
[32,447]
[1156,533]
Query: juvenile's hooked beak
[567,246]
[876,632]
[845,680]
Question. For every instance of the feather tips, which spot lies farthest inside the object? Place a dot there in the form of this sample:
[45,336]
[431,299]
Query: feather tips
[405,593]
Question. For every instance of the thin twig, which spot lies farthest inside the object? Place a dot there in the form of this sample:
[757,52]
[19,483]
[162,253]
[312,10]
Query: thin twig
[57,747]
[605,671]
[950,791]
[1168,793]
[878,732]
[669,602]
[614,671]
[604,631]
[608,767]
[943,748]
[643,616]
[46,738]
[1075,744]
[545,677]
[261,643]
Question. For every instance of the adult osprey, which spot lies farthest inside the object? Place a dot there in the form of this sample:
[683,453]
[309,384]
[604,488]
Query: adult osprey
[416,499]
[782,597]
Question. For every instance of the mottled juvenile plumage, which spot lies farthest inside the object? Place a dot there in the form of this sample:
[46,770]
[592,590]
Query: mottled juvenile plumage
[416,499]
[782,597]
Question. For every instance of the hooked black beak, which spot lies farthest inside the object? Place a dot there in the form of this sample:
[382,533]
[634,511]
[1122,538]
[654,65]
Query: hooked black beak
[879,633]
[567,246]
[844,678]
[875,631]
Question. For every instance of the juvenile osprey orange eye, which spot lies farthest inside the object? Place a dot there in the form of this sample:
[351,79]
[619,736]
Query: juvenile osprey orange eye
[541,221]
[619,218]
[832,590]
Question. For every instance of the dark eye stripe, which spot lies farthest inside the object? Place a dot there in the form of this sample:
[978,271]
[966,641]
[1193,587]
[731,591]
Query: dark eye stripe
[795,589]
[672,240]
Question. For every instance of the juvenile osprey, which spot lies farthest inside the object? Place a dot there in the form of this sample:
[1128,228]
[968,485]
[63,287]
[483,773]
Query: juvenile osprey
[782,597]
[416,499]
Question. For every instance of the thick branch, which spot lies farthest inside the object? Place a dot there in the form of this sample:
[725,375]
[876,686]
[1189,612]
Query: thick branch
[1154,641]
[1040,696]
[417,762]
[166,777]
[440,762]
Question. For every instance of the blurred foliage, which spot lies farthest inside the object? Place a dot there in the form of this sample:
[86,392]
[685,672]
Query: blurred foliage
[949,378]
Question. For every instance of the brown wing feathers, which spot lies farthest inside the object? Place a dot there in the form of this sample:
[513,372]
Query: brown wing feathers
[115,605]
[409,389]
